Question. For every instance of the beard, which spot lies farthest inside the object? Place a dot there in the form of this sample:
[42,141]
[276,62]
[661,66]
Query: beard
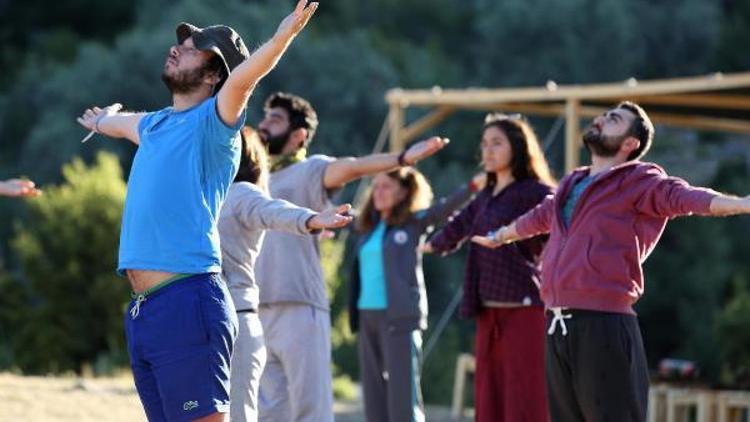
[601,145]
[184,82]
[274,143]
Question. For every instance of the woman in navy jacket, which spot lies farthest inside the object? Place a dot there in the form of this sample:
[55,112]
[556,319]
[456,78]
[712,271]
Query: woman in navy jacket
[388,301]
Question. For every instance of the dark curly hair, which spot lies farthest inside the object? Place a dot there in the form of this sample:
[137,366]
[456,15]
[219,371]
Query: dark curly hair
[301,112]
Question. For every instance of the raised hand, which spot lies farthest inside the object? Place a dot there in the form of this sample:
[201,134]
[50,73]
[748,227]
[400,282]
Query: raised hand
[293,24]
[479,180]
[331,218]
[424,149]
[426,248]
[487,241]
[19,187]
[92,116]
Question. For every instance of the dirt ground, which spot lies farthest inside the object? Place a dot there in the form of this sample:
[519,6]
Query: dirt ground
[68,399]
[46,399]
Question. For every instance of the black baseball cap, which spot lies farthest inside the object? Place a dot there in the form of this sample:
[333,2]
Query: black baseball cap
[224,41]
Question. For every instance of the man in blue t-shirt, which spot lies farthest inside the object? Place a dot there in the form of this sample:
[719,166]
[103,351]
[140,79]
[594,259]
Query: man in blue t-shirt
[181,323]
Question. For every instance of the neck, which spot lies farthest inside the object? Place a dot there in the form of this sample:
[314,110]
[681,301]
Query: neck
[292,148]
[601,164]
[185,101]
[503,178]
[284,153]
[281,161]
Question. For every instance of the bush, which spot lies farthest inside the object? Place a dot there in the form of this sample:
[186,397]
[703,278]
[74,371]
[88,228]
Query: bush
[71,301]
[733,326]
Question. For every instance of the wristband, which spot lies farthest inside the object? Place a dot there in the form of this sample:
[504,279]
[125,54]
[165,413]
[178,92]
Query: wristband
[96,123]
[492,234]
[311,230]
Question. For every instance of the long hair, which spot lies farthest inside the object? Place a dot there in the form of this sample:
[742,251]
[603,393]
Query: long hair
[528,160]
[418,197]
[253,159]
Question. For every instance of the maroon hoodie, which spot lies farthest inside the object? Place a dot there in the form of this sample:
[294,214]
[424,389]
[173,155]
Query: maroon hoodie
[595,263]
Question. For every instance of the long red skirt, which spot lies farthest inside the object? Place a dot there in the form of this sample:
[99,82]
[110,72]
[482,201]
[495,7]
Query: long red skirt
[509,384]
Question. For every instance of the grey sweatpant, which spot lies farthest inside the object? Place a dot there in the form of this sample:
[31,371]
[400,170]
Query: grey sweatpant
[390,361]
[296,383]
[248,360]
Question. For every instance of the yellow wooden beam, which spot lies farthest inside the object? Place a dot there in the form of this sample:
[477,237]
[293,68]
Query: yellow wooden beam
[572,135]
[713,124]
[425,123]
[626,89]
[717,101]
[396,124]
[690,121]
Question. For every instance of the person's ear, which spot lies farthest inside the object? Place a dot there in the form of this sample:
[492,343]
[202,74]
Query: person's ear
[298,137]
[213,78]
[630,144]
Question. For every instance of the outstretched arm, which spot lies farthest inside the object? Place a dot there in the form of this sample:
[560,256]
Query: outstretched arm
[259,211]
[110,121]
[344,170]
[455,232]
[535,222]
[235,92]
[446,207]
[18,187]
[502,236]
[332,218]
[729,205]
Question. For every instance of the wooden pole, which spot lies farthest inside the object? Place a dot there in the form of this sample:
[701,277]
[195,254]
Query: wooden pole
[396,124]
[572,134]
[425,123]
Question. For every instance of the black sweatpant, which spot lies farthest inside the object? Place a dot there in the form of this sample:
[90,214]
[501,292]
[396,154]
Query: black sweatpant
[598,371]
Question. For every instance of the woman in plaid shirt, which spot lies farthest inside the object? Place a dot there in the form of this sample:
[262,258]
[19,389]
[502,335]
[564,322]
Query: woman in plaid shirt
[500,286]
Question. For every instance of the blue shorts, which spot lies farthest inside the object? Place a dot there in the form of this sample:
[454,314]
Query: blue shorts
[180,343]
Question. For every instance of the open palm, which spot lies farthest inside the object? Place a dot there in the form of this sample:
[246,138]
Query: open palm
[293,24]
[331,218]
[424,149]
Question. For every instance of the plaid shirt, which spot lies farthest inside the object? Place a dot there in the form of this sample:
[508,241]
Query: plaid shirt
[506,274]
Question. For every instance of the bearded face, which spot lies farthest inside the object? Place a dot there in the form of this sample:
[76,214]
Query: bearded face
[184,81]
[274,143]
[602,145]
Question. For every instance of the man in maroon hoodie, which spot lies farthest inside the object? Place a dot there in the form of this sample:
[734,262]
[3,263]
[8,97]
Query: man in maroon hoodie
[604,221]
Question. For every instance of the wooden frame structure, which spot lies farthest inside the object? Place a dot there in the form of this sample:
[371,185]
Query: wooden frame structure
[716,102]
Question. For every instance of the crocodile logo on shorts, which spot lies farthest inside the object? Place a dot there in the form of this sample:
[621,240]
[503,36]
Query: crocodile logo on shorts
[190,405]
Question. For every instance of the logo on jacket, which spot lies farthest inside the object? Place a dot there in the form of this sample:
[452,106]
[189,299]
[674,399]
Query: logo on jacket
[400,237]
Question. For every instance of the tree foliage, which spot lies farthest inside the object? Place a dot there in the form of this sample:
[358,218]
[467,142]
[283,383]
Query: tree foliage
[68,310]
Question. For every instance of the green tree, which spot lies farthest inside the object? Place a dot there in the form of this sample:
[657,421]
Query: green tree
[735,36]
[733,327]
[75,304]
[578,41]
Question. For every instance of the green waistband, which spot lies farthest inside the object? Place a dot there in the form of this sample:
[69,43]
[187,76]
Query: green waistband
[163,284]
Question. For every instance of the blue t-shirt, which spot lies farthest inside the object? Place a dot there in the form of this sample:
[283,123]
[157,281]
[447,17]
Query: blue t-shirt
[575,194]
[371,274]
[184,166]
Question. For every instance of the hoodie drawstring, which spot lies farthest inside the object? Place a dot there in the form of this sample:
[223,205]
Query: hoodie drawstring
[558,319]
